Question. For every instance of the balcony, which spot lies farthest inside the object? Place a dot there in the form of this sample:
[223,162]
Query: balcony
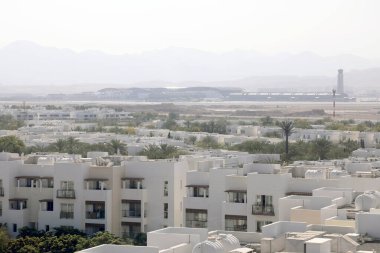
[131,213]
[95,210]
[96,215]
[267,210]
[132,183]
[96,184]
[66,194]
[197,191]
[17,204]
[66,215]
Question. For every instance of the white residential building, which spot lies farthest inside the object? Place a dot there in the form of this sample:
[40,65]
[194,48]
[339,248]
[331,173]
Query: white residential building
[91,194]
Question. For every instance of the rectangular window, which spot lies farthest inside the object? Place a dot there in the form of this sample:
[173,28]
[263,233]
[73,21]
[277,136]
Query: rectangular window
[235,223]
[166,188]
[47,228]
[260,224]
[14,228]
[46,205]
[67,211]
[131,208]
[263,205]
[196,218]
[166,207]
[237,196]
[67,185]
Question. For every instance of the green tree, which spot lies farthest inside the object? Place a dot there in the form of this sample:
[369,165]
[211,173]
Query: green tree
[287,127]
[267,121]
[72,145]
[321,147]
[60,145]
[11,144]
[191,139]
[118,147]
[4,239]
[208,142]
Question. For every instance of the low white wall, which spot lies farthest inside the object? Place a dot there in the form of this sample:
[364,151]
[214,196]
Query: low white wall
[281,227]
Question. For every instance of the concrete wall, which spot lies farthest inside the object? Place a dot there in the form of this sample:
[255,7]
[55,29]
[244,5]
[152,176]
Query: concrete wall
[368,223]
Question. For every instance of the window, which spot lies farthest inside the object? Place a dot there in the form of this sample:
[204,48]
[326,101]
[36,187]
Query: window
[263,205]
[260,224]
[95,210]
[67,211]
[67,185]
[166,190]
[237,196]
[1,208]
[47,205]
[14,228]
[196,218]
[235,223]
[131,208]
[47,228]
[198,191]
[166,207]
[47,182]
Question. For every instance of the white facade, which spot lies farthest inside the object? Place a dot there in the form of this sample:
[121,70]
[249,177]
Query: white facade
[61,191]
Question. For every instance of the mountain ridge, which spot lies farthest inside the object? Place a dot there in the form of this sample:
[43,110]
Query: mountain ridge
[25,63]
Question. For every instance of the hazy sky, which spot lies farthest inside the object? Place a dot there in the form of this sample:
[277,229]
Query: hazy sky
[326,27]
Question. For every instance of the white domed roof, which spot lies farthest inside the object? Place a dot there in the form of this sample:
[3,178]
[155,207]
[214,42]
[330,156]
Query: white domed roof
[367,200]
[222,243]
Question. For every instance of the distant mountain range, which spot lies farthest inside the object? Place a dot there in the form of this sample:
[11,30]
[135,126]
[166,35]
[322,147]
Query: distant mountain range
[27,64]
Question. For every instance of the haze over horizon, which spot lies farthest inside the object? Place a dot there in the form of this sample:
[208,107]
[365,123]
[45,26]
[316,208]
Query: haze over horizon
[213,42]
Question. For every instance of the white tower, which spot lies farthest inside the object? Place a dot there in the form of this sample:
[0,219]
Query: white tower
[340,87]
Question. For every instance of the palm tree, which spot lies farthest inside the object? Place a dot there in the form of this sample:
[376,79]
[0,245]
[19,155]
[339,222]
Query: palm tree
[72,145]
[321,147]
[11,144]
[60,145]
[287,127]
[118,147]
[168,150]
[152,151]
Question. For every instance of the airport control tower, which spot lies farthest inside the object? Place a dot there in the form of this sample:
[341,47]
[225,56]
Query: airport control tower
[340,87]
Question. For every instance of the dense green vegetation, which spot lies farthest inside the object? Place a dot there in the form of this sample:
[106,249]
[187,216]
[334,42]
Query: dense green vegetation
[314,150]
[60,240]
[349,125]
[162,151]
[208,142]
[11,144]
[69,145]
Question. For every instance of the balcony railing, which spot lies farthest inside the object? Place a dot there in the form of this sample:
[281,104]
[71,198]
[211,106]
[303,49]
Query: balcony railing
[96,215]
[66,194]
[196,224]
[263,210]
[131,213]
[1,191]
[66,215]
